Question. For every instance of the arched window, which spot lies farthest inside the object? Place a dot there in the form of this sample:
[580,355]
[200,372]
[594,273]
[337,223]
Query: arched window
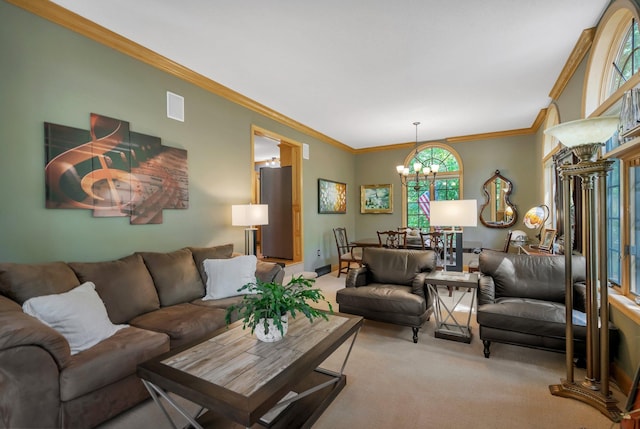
[627,62]
[444,185]
[614,61]
[550,147]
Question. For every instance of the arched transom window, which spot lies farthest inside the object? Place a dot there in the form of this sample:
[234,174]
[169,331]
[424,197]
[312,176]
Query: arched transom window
[445,185]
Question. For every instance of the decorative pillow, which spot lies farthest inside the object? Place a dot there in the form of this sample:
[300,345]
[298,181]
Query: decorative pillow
[226,276]
[78,315]
[200,254]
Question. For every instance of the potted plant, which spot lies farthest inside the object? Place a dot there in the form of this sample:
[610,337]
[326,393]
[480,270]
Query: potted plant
[266,305]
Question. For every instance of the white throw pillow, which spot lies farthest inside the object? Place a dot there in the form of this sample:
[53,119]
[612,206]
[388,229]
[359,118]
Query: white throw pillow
[226,276]
[78,315]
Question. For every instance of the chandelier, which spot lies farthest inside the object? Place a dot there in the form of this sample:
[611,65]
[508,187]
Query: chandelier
[420,171]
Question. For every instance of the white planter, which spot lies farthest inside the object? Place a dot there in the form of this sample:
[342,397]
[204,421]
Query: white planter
[273,333]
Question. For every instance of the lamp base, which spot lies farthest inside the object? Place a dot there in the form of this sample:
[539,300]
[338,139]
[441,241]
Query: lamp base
[603,403]
[586,152]
[250,241]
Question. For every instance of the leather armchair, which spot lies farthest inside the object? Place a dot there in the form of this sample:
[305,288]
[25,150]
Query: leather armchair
[521,300]
[390,287]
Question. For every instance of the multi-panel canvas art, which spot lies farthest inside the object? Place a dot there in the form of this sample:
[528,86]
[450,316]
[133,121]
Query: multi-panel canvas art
[113,171]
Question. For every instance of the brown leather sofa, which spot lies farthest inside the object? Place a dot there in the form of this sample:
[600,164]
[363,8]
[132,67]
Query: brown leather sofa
[42,385]
[521,300]
[390,287]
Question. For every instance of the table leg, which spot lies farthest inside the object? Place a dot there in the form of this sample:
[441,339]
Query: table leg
[156,393]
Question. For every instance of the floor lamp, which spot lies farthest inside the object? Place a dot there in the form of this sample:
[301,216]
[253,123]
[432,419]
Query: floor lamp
[250,215]
[585,137]
[454,214]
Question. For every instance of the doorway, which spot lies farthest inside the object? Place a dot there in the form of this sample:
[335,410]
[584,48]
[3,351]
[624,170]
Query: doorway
[271,151]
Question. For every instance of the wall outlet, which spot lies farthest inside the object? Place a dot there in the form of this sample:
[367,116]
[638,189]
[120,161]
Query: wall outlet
[318,252]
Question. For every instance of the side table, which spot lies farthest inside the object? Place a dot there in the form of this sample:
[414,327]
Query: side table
[447,326]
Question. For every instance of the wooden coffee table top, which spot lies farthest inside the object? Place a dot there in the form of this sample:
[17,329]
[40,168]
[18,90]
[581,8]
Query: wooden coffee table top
[241,377]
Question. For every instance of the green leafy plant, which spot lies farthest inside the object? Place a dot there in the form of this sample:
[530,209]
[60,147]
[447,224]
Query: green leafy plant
[269,300]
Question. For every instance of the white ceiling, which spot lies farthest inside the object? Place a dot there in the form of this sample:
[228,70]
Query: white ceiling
[362,71]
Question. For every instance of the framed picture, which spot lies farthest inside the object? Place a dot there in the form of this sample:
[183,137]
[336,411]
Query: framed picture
[332,196]
[546,242]
[376,199]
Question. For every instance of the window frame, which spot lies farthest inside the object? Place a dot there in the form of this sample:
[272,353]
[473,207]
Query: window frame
[600,99]
[442,175]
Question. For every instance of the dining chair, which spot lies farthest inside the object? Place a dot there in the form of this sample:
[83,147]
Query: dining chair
[393,239]
[346,254]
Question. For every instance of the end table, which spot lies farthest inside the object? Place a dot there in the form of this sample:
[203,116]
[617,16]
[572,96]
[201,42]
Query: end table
[447,327]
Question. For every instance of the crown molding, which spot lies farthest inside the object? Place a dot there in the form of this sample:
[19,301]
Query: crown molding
[577,55]
[78,24]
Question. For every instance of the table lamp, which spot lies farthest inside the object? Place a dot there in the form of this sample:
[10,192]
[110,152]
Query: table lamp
[455,214]
[250,215]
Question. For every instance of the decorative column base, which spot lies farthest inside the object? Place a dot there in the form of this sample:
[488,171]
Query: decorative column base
[605,404]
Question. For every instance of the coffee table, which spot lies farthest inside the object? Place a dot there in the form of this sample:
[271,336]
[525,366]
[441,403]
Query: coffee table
[447,326]
[242,381]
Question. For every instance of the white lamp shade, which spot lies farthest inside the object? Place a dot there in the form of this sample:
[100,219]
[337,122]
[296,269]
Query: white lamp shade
[454,213]
[250,214]
[584,131]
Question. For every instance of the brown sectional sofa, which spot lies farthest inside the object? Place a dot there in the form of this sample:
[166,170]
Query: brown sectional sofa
[42,385]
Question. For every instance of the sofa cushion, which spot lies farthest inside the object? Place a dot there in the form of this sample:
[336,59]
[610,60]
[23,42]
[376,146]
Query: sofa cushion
[175,276]
[125,286]
[219,303]
[23,281]
[386,298]
[183,322]
[226,276]
[216,252]
[396,266]
[109,361]
[78,315]
[531,316]
[525,276]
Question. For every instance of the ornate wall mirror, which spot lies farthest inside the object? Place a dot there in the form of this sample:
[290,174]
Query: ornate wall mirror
[497,211]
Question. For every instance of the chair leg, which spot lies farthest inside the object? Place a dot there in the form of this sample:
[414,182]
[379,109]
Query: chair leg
[415,334]
[487,346]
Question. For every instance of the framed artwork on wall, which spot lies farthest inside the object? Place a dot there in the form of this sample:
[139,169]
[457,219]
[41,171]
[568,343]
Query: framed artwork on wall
[376,198]
[332,197]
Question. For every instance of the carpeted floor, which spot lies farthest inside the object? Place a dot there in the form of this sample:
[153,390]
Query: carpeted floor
[436,383]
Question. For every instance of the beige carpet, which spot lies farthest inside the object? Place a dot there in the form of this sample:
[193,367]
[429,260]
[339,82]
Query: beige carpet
[394,383]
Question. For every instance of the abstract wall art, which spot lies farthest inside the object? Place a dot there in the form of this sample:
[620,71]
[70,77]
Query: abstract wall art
[332,196]
[113,171]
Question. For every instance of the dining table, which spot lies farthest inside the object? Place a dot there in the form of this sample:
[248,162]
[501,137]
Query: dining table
[412,243]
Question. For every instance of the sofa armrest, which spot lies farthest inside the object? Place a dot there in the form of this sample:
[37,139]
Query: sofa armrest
[269,272]
[419,284]
[486,290]
[357,277]
[580,297]
[19,329]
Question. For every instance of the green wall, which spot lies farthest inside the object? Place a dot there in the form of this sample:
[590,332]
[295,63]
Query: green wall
[513,156]
[51,74]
